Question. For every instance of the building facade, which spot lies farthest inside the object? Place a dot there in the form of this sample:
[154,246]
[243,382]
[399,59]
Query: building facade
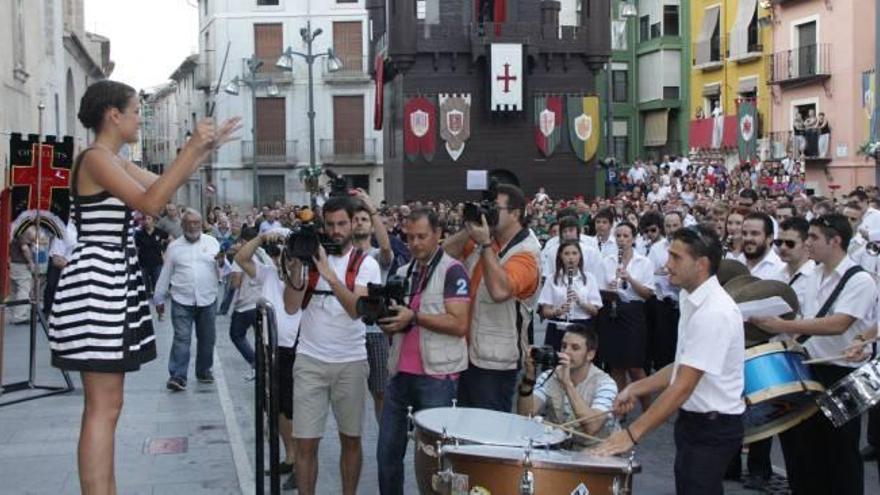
[506,88]
[46,58]
[731,42]
[265,165]
[822,50]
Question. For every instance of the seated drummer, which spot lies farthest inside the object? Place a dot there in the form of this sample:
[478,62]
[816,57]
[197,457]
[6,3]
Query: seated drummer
[576,389]
[831,324]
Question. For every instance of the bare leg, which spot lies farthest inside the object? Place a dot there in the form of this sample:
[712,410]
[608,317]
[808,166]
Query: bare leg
[285,429]
[636,374]
[307,464]
[103,404]
[378,399]
[350,461]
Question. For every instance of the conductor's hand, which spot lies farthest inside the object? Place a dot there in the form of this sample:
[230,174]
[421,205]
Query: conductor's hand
[399,322]
[625,402]
[209,136]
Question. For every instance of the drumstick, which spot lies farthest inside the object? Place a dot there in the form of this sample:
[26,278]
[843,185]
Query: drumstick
[574,432]
[586,418]
[841,356]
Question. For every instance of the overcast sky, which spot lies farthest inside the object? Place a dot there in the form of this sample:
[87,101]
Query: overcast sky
[148,39]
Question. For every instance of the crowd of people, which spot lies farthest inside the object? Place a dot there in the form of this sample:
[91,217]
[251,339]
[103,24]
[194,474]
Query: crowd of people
[630,288]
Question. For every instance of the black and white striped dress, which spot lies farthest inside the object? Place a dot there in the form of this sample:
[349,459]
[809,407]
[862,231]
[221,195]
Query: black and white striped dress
[100,319]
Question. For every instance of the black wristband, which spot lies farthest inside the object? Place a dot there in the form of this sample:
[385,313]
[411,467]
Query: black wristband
[527,381]
[631,437]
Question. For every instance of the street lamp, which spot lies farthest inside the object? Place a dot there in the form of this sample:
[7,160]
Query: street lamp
[285,63]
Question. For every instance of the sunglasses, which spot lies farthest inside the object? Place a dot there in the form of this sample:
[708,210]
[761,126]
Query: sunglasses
[650,230]
[788,243]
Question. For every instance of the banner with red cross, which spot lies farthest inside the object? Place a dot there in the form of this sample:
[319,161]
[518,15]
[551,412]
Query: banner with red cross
[39,180]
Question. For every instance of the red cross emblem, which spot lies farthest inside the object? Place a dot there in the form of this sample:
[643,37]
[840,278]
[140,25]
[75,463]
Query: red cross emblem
[507,77]
[52,177]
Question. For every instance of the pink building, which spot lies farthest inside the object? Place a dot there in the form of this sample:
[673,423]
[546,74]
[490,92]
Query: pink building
[821,49]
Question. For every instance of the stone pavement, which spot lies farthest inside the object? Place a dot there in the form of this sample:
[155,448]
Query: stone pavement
[202,440]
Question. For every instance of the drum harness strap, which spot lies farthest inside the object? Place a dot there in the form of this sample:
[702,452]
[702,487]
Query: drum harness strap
[833,297]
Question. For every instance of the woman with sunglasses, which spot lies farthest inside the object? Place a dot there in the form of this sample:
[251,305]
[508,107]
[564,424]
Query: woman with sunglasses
[570,296]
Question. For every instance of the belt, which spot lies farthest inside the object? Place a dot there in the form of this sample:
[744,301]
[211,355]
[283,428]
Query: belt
[711,416]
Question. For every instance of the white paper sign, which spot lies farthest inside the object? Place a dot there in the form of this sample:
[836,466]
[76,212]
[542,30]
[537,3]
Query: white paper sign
[477,180]
[842,151]
[772,306]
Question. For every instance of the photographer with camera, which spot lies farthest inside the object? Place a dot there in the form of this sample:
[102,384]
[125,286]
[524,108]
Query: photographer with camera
[367,223]
[429,348]
[269,279]
[502,256]
[571,387]
[331,357]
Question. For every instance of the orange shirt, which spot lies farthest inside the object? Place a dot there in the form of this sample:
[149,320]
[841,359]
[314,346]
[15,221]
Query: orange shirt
[521,269]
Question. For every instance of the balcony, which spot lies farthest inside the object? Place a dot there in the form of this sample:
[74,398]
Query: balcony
[355,69]
[269,152]
[800,66]
[713,48]
[268,72]
[810,146]
[348,151]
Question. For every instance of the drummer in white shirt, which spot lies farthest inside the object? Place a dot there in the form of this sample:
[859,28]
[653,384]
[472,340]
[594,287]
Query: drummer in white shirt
[820,458]
[705,383]
[793,252]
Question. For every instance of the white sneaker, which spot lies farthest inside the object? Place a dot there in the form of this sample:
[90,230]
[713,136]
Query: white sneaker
[250,375]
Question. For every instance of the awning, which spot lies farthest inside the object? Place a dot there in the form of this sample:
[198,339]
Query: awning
[739,35]
[712,90]
[656,123]
[747,85]
[704,39]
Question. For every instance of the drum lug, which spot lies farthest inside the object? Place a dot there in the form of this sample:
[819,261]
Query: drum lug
[410,430]
[441,481]
[454,403]
[527,483]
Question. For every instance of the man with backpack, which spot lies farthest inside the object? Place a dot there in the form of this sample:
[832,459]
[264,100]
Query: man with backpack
[331,357]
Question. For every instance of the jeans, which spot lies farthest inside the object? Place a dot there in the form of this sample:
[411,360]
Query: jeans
[228,293]
[182,319]
[404,389]
[238,327]
[487,389]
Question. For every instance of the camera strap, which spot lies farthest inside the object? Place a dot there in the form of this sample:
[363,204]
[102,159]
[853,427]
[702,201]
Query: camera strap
[432,265]
[518,238]
[354,265]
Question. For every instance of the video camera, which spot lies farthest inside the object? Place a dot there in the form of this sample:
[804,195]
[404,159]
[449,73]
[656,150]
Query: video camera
[303,242]
[545,357]
[474,211]
[377,303]
[338,185]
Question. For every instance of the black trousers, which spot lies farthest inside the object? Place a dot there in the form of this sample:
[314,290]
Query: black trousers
[662,318]
[704,445]
[757,462]
[819,458]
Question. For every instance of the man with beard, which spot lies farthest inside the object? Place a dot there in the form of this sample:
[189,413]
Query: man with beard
[331,356]
[192,270]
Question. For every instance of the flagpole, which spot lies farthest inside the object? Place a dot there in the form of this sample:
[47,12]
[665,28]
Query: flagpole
[35,270]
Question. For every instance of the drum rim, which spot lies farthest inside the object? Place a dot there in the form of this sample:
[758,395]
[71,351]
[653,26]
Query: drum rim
[541,441]
[774,347]
[449,452]
[780,390]
[781,425]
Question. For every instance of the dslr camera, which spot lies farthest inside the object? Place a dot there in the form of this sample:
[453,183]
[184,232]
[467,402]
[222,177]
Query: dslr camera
[545,357]
[338,185]
[473,211]
[377,303]
[303,242]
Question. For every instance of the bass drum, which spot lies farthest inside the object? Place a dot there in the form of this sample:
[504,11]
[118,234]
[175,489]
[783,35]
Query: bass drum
[461,425]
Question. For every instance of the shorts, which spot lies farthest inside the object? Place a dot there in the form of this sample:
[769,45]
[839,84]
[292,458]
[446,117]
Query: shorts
[320,386]
[377,357]
[286,357]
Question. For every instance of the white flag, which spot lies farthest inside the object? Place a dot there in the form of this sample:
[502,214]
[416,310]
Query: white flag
[507,77]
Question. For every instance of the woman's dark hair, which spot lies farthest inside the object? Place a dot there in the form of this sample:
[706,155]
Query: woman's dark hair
[100,97]
[560,268]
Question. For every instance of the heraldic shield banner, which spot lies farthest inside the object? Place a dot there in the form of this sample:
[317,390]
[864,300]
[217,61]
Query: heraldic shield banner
[419,128]
[583,125]
[455,122]
[34,188]
[747,135]
[548,123]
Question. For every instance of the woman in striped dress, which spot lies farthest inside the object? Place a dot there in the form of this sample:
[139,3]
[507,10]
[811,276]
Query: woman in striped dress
[100,322]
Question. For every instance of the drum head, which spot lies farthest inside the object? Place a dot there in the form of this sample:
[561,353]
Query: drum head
[775,416]
[487,427]
[541,458]
[853,395]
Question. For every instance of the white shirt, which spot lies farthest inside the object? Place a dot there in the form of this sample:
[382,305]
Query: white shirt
[63,247]
[659,255]
[657,197]
[266,226]
[555,294]
[871,219]
[800,283]
[857,300]
[640,268]
[592,259]
[191,270]
[711,339]
[771,267]
[608,247]
[249,290]
[327,333]
[272,288]
[637,174]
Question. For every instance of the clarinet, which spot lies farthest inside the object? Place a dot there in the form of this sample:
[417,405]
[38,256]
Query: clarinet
[622,283]
[728,245]
[570,280]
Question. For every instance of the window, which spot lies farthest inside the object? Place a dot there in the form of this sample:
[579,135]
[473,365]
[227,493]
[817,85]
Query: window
[206,8]
[18,41]
[420,10]
[268,44]
[621,148]
[262,3]
[348,125]
[644,28]
[753,35]
[619,85]
[715,44]
[271,127]
[710,102]
[670,20]
[670,92]
[348,43]
[655,30]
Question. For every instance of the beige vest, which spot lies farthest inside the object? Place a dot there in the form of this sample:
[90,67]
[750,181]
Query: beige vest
[441,353]
[498,336]
[556,412]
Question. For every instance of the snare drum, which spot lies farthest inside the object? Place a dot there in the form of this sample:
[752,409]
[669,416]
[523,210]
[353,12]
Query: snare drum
[461,425]
[779,389]
[504,470]
[853,395]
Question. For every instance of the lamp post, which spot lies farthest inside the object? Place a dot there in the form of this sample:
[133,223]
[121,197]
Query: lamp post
[252,82]
[285,63]
[628,11]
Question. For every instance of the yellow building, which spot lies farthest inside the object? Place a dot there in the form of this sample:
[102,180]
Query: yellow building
[731,39]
